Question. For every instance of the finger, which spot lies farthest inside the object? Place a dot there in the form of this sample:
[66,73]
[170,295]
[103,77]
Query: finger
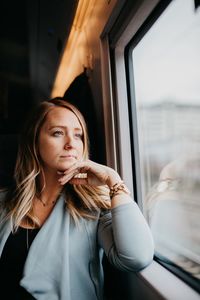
[79,181]
[64,179]
[79,166]
[81,175]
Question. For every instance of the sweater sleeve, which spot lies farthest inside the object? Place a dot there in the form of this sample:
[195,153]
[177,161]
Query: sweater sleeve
[125,236]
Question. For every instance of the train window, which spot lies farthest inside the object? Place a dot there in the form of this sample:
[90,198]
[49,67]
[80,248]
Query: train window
[165,96]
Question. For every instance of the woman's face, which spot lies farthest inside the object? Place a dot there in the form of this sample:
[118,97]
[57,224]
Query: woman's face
[60,140]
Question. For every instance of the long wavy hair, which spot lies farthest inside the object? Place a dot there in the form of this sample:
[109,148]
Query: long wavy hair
[81,200]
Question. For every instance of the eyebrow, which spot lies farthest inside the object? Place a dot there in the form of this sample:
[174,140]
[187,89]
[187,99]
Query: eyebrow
[64,127]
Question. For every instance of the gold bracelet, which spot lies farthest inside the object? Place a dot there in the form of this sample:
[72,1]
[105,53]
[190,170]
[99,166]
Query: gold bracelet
[117,188]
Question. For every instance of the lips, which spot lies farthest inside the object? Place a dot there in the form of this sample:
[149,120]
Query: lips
[68,156]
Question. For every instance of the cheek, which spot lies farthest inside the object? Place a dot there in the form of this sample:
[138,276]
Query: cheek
[80,149]
[47,148]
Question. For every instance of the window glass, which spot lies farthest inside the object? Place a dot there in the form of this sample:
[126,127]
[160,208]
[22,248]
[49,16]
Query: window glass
[166,68]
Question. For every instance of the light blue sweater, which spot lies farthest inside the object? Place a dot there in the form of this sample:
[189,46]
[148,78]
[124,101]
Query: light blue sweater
[64,261]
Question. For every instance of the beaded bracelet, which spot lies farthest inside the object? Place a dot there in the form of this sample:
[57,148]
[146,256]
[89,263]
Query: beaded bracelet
[117,188]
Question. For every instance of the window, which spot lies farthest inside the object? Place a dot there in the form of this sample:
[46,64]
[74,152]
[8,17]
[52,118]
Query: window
[165,64]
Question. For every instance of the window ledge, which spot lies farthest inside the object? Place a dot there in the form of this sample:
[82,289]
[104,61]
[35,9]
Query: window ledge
[166,283]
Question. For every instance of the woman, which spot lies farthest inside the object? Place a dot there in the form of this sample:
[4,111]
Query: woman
[63,212]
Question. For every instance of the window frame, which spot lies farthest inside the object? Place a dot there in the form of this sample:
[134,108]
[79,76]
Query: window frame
[115,43]
[152,18]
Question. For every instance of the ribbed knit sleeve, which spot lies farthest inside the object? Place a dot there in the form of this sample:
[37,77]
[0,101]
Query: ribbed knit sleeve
[125,236]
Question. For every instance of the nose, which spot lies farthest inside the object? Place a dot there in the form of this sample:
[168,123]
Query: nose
[68,142]
[67,146]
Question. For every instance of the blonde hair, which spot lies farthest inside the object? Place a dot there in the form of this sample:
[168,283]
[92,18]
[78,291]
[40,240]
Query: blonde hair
[82,200]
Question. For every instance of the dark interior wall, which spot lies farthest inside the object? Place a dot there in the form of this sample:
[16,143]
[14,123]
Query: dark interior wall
[15,96]
[32,36]
[15,88]
[49,27]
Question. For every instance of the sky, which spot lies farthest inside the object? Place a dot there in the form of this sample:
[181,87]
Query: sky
[166,62]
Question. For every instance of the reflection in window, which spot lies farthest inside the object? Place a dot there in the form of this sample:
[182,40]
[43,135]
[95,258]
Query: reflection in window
[166,66]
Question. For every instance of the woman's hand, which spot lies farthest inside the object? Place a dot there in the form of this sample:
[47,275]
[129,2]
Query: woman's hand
[95,174]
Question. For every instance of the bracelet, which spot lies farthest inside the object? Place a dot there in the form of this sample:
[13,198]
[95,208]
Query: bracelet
[117,188]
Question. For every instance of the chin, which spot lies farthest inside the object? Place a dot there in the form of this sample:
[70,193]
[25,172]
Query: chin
[65,166]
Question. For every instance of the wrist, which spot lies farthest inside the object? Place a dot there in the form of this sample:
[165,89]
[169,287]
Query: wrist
[119,188]
[113,178]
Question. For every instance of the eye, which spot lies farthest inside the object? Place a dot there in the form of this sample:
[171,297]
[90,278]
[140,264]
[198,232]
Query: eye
[79,135]
[58,133]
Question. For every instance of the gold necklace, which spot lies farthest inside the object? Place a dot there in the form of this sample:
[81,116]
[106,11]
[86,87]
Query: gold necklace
[46,204]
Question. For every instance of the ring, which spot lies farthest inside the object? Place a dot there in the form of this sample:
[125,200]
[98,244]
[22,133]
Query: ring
[81,175]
